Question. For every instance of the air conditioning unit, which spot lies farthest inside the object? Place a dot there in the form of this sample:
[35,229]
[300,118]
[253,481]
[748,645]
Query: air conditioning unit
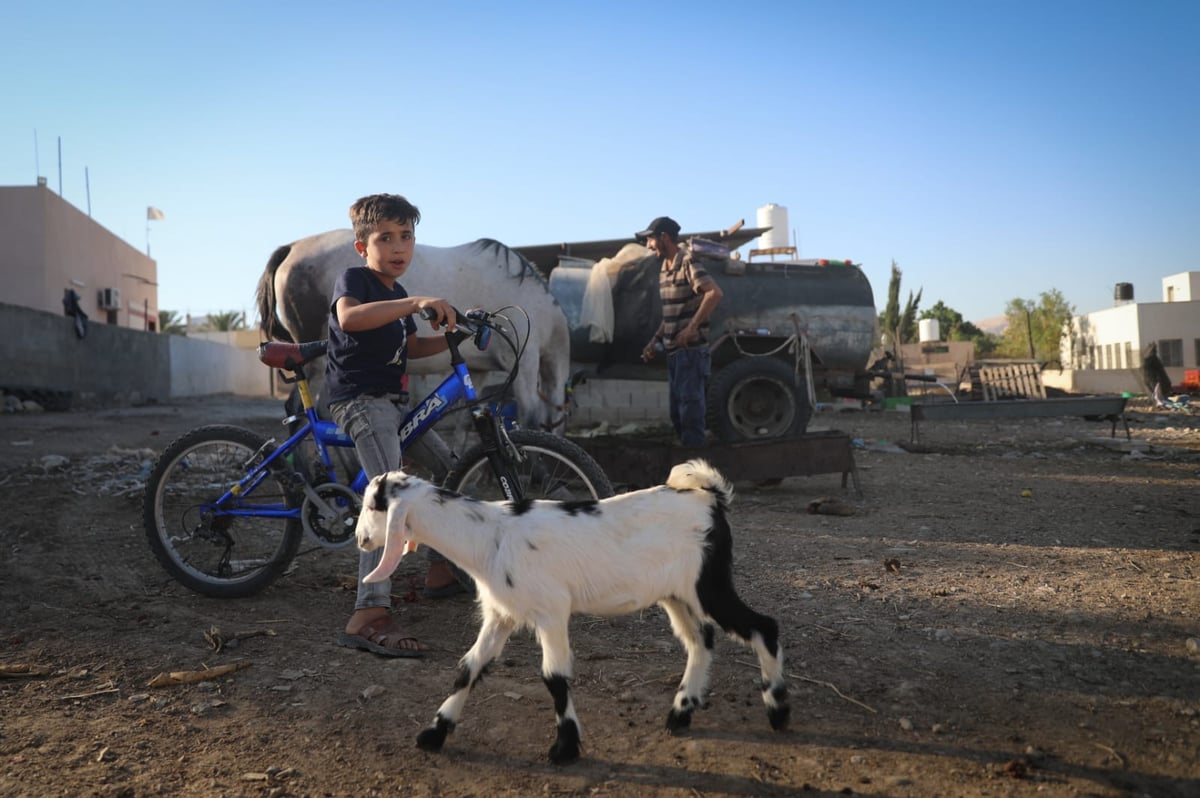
[110,299]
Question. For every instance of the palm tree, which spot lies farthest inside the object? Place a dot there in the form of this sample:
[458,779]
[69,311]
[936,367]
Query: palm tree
[228,320]
[170,323]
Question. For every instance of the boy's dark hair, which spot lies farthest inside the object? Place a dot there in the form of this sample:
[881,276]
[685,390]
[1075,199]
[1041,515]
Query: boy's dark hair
[367,213]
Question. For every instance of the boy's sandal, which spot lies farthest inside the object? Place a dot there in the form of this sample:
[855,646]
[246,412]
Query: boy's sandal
[384,637]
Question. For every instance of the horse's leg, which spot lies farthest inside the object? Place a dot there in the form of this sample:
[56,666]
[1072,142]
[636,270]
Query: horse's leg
[530,405]
[492,636]
[554,373]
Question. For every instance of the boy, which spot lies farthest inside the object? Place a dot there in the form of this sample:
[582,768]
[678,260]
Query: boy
[371,336]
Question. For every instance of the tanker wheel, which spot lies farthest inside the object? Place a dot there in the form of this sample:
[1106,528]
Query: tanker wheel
[757,398]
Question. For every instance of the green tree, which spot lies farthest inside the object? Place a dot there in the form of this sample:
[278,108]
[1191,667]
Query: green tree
[951,325]
[899,325]
[1035,329]
[171,323]
[227,320]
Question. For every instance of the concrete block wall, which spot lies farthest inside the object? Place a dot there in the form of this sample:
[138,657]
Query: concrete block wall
[615,401]
[114,366]
[202,368]
[109,366]
[1101,381]
[620,402]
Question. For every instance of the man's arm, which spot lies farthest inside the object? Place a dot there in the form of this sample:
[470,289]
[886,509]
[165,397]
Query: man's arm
[710,298]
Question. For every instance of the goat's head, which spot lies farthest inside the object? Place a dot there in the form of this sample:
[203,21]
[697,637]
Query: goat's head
[383,522]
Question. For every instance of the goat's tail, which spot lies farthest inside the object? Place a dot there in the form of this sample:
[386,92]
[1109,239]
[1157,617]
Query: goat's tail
[700,475]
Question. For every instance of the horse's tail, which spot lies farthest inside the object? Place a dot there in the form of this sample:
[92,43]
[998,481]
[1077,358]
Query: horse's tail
[268,319]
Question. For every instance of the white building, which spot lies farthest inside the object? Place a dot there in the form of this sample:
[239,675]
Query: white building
[1103,349]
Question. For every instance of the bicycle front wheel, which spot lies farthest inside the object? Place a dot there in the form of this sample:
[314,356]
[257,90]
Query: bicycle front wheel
[550,467]
[225,551]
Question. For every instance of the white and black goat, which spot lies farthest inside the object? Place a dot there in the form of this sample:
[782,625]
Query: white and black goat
[535,563]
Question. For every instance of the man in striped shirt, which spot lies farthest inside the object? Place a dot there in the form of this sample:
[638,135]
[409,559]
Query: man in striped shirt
[689,295]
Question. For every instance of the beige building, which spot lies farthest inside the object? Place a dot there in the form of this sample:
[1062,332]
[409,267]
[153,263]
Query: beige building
[1104,347]
[49,247]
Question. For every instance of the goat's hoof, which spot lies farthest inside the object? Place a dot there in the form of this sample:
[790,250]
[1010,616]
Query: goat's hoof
[563,754]
[433,738]
[566,747]
[678,722]
[779,717]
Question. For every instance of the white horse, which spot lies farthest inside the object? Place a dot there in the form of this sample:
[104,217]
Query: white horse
[295,292]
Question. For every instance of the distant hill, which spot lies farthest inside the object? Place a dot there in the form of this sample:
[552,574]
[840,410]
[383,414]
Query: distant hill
[996,325]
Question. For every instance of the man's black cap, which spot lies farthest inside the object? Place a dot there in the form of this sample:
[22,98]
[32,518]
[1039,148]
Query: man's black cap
[663,224]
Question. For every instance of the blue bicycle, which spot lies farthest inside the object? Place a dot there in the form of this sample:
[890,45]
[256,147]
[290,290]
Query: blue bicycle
[225,508]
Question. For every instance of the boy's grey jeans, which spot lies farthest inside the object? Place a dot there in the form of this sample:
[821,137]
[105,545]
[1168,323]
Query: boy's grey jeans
[373,423]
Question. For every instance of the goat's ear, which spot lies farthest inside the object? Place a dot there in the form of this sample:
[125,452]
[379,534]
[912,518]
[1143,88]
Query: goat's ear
[396,543]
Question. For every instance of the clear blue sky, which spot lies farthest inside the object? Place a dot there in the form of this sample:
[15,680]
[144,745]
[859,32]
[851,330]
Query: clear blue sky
[994,150]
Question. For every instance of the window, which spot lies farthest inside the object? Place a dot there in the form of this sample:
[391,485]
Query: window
[1170,352]
[1129,354]
[1108,361]
[1196,362]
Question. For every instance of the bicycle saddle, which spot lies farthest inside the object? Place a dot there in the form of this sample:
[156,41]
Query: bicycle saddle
[279,355]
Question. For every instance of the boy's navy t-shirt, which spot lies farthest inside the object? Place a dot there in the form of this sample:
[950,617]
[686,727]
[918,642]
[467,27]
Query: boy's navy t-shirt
[368,361]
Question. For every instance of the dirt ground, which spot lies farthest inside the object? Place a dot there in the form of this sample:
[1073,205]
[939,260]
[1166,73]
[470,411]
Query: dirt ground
[1012,610]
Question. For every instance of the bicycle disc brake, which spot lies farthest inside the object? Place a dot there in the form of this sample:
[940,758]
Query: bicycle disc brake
[330,513]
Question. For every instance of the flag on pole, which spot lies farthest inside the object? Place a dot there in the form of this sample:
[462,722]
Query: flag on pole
[153,214]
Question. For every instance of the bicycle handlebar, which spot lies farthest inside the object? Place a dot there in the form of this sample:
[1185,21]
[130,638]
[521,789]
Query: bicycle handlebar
[475,322]
[472,318]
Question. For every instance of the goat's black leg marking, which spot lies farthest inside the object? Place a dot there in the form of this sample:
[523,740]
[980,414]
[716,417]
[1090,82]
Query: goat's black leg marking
[566,745]
[761,633]
[697,638]
[720,601]
[556,673]
[488,645]
[434,737]
[778,710]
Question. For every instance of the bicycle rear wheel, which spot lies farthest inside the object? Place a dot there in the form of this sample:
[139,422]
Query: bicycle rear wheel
[551,468]
[213,553]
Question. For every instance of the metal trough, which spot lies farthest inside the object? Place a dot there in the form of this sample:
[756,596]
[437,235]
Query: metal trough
[1105,408]
[638,462]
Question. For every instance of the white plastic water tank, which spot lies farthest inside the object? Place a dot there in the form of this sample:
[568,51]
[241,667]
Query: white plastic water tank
[775,217]
[928,330]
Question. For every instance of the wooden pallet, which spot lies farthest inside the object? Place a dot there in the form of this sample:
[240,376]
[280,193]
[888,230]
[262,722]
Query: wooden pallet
[1003,380]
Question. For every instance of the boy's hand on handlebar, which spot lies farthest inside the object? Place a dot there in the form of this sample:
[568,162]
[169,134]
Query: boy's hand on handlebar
[438,312]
